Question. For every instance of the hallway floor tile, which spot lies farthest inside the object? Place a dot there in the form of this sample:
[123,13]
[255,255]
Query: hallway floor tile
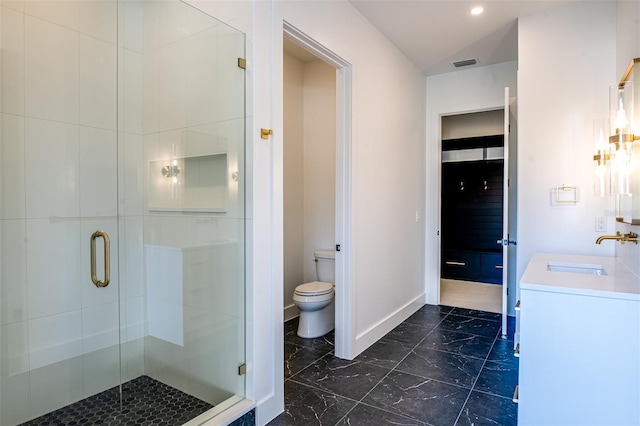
[442,366]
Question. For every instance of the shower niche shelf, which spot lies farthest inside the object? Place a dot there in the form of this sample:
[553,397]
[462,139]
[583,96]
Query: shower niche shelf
[189,184]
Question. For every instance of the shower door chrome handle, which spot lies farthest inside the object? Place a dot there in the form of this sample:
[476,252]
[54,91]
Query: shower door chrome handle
[107,259]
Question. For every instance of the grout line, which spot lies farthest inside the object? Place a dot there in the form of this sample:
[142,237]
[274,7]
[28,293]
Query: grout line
[455,353]
[322,390]
[473,385]
[508,398]
[395,369]
[386,411]
[292,378]
[311,363]
[435,380]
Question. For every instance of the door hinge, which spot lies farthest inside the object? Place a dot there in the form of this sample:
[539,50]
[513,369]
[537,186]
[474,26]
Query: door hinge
[242,63]
[242,369]
[264,133]
[337,247]
[506,241]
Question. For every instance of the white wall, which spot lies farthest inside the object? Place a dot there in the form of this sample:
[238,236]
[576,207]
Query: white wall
[465,91]
[566,64]
[309,152]
[293,180]
[486,123]
[387,183]
[627,34]
[319,162]
[387,241]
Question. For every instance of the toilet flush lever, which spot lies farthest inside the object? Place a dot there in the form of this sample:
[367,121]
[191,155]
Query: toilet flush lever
[337,247]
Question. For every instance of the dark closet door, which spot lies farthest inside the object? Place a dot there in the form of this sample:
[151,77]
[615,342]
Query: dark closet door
[472,210]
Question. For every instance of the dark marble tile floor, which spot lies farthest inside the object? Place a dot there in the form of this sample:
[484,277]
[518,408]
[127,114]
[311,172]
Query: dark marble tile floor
[442,366]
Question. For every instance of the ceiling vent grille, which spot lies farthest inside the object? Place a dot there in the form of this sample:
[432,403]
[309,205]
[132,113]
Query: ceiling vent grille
[465,62]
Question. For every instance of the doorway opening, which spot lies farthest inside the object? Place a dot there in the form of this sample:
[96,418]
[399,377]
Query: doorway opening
[472,184]
[474,136]
[317,174]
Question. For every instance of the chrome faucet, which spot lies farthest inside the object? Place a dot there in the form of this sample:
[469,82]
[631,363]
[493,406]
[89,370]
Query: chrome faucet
[630,237]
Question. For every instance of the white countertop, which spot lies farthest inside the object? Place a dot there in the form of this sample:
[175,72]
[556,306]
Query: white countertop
[619,283]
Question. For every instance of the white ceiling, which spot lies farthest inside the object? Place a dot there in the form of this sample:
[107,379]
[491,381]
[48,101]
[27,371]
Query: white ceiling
[434,33]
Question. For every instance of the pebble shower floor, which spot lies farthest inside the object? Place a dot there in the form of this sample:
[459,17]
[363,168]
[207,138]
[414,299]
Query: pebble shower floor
[146,402]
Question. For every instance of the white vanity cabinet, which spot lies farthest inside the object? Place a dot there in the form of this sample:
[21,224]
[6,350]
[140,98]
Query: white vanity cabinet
[579,344]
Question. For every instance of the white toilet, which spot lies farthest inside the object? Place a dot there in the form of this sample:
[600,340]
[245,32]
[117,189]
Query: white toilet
[315,299]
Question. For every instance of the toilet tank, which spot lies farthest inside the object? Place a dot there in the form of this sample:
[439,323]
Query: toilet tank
[326,265]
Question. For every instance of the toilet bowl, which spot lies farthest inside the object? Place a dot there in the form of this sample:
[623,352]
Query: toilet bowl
[315,299]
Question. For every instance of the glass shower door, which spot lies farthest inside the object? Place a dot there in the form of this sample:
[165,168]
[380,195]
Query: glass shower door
[125,118]
[59,332]
[182,215]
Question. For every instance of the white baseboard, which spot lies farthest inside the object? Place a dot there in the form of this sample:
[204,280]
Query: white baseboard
[290,311]
[268,409]
[382,327]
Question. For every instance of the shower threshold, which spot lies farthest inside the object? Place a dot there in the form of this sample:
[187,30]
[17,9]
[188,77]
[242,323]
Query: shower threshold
[145,402]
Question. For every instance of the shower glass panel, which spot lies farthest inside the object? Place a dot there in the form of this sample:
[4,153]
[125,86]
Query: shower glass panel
[125,117]
[182,222]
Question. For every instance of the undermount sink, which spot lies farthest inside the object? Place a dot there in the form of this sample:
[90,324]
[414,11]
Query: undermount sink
[576,268]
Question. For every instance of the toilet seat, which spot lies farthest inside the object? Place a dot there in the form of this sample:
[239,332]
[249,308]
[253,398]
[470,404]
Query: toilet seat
[315,288]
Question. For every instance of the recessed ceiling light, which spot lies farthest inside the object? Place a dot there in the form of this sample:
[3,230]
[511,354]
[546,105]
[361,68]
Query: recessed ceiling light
[477,10]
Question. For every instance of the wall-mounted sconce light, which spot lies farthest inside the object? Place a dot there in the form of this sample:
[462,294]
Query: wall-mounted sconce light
[172,171]
[601,157]
[622,131]
[614,154]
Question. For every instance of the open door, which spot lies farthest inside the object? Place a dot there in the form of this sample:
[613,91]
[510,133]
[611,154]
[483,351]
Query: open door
[505,241]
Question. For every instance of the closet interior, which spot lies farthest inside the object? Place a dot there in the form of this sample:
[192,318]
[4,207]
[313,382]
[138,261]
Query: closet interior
[472,197]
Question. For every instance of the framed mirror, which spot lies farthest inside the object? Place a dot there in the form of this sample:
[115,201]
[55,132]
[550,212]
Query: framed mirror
[624,107]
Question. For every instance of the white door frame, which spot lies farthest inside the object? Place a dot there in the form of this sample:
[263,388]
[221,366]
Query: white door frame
[505,211]
[345,294]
